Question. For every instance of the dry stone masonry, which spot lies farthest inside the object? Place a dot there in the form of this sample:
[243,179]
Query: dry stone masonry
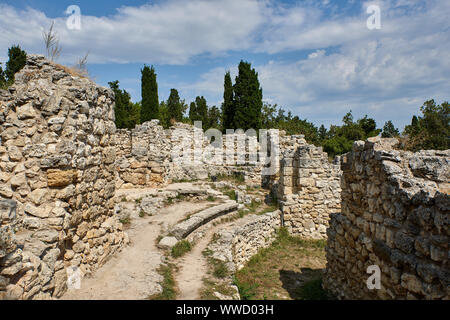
[309,188]
[395,210]
[235,246]
[149,156]
[62,163]
[57,181]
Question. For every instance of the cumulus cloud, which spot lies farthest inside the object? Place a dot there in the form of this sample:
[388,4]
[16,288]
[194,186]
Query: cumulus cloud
[165,33]
[387,73]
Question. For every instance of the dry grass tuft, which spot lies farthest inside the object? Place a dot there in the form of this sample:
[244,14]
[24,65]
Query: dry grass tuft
[73,71]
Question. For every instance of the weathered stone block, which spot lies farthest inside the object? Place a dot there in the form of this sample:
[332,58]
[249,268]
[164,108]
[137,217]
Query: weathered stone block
[61,178]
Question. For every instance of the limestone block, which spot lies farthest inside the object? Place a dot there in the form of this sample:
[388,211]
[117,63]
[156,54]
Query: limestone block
[61,178]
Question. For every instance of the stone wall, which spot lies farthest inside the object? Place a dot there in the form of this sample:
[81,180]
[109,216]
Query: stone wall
[143,156]
[308,188]
[237,245]
[395,215]
[149,156]
[57,180]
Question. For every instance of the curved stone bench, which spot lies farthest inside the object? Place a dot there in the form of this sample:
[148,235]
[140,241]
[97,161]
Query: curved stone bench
[183,229]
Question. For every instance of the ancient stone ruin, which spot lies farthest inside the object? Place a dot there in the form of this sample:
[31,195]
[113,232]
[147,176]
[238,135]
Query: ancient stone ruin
[69,181]
[395,209]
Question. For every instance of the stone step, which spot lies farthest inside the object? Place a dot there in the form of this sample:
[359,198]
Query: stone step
[183,229]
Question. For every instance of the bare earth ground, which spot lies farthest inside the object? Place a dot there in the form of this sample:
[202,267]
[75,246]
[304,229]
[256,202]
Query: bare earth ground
[192,268]
[131,274]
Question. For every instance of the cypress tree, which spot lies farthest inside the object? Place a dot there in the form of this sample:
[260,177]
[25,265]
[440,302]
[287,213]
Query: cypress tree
[125,111]
[213,118]
[174,106]
[150,100]
[228,105]
[202,110]
[247,99]
[164,115]
[193,112]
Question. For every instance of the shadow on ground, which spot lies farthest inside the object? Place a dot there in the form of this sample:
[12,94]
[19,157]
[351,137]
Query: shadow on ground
[303,285]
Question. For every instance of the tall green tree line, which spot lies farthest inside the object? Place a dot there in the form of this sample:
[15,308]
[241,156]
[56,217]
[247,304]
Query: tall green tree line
[242,106]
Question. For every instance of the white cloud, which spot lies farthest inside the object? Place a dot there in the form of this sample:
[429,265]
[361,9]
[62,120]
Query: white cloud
[387,73]
[171,32]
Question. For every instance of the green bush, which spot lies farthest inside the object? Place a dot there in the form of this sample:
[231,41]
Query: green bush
[16,62]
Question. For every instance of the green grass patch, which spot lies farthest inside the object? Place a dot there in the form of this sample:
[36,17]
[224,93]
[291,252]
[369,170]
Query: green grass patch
[168,284]
[237,178]
[231,194]
[290,268]
[125,221]
[247,291]
[180,197]
[210,286]
[181,248]
[181,180]
[211,199]
[220,269]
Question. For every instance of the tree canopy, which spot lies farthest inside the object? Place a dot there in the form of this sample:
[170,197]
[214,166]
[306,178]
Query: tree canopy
[431,130]
[17,58]
[127,113]
[247,101]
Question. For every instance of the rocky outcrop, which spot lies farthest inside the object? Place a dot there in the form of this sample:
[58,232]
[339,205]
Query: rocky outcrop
[395,209]
[57,154]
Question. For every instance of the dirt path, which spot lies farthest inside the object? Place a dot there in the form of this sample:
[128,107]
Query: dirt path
[131,274]
[193,267]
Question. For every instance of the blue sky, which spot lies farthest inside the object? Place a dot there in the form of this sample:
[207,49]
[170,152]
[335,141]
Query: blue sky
[315,58]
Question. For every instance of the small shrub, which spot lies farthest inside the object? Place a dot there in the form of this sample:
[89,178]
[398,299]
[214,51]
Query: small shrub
[231,194]
[125,221]
[181,248]
[180,196]
[211,198]
[142,214]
